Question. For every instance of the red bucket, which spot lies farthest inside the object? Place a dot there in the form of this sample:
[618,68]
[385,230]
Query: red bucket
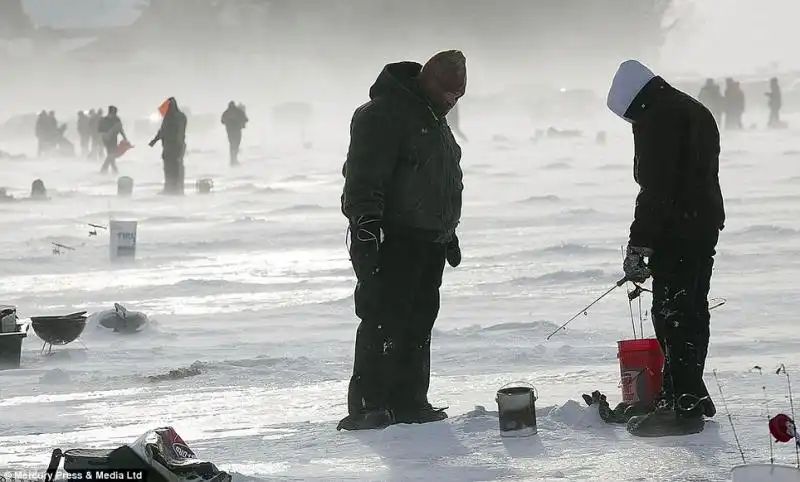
[640,365]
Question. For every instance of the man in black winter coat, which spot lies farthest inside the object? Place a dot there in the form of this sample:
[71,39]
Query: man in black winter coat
[678,216]
[402,197]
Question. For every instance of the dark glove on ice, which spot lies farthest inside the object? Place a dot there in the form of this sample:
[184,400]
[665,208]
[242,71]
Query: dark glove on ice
[634,266]
[453,252]
[365,243]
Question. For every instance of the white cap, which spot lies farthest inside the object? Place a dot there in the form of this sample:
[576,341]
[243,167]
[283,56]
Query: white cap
[629,80]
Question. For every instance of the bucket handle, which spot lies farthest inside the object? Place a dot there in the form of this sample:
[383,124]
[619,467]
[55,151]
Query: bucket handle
[525,384]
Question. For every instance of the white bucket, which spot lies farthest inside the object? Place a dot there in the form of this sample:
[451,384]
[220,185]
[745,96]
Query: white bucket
[125,186]
[765,473]
[122,242]
[516,407]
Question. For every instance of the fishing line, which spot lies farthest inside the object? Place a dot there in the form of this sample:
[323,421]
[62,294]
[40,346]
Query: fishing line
[782,369]
[730,419]
[766,407]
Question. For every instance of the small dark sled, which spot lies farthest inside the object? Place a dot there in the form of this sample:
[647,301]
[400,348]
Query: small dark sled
[121,320]
[59,330]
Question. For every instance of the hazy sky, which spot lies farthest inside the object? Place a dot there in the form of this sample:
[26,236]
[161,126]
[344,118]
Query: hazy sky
[735,36]
[715,37]
[81,13]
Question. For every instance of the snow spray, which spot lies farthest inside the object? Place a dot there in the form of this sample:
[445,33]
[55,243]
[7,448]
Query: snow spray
[122,242]
[516,407]
[640,365]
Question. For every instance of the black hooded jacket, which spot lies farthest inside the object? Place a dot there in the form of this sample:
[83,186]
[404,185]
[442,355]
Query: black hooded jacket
[172,133]
[676,165]
[234,118]
[403,163]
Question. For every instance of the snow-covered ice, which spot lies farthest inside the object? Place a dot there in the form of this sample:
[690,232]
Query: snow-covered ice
[250,287]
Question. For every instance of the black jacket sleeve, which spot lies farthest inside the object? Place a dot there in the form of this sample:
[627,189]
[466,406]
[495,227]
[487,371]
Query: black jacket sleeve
[375,139]
[658,149]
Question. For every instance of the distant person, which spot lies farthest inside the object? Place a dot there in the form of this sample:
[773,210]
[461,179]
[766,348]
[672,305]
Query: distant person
[84,132]
[402,197]
[739,105]
[56,136]
[97,139]
[110,128]
[52,122]
[711,97]
[92,124]
[734,103]
[234,119]
[172,135]
[42,134]
[64,146]
[774,102]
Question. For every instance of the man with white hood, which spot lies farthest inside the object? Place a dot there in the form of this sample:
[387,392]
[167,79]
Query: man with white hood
[677,220]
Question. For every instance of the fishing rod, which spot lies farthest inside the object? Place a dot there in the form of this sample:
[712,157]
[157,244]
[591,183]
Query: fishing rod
[584,311]
[716,303]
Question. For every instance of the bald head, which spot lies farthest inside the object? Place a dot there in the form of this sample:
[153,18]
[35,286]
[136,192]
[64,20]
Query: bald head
[444,79]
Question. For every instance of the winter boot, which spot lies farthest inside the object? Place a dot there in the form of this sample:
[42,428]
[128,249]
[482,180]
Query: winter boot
[367,420]
[424,413]
[709,409]
[667,421]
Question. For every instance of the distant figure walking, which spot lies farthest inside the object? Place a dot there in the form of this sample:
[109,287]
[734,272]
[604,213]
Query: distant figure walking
[110,128]
[234,119]
[774,103]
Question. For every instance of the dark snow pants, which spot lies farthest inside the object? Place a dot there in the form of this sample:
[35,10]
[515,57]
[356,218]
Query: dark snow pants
[235,141]
[681,282]
[397,308]
[173,174]
[85,138]
[111,158]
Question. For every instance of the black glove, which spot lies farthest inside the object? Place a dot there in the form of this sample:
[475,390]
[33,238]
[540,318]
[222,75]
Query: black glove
[453,252]
[634,266]
[365,243]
